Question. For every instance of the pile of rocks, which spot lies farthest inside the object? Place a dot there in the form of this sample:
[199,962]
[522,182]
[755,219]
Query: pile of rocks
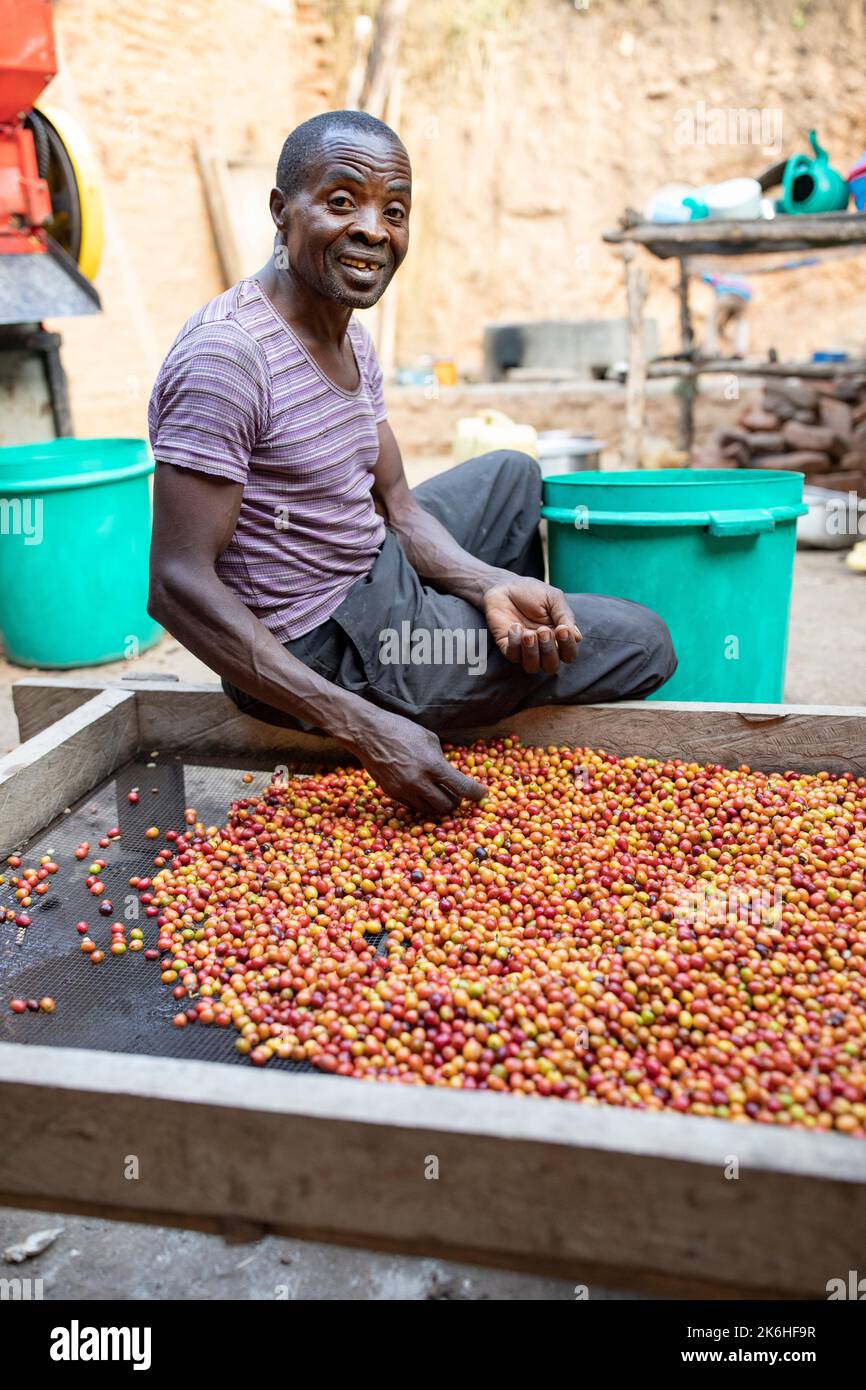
[816,428]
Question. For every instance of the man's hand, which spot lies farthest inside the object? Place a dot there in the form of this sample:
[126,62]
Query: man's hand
[408,763]
[531,623]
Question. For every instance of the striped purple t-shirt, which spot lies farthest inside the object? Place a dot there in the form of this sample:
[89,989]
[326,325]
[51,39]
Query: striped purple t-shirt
[239,397]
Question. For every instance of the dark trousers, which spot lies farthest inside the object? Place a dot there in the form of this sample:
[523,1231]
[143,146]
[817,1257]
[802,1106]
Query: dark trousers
[429,656]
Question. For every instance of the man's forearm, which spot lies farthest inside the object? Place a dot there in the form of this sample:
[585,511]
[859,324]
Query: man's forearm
[436,556]
[220,630]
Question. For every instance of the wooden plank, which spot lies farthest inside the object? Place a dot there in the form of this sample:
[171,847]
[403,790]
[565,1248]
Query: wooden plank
[735,366]
[199,718]
[774,737]
[63,762]
[213,722]
[770,737]
[217,191]
[236,193]
[720,238]
[594,1194]
[204,720]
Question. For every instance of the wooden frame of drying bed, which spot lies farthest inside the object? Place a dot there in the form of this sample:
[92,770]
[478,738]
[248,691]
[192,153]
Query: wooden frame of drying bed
[594,1194]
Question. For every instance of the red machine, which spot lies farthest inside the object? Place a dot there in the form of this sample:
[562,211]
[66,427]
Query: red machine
[27,64]
[50,214]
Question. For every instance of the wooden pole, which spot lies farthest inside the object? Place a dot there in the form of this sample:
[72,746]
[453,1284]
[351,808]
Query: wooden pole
[635,391]
[361,39]
[688,387]
[383,55]
[381,95]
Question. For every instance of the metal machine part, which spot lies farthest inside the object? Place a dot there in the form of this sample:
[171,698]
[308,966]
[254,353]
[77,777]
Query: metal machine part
[50,211]
[32,375]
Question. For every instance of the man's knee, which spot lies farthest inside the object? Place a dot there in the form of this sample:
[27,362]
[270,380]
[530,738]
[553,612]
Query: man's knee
[507,472]
[517,467]
[628,644]
[510,470]
[662,660]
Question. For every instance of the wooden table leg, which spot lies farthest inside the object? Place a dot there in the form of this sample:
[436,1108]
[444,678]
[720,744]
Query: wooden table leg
[635,393]
[687,388]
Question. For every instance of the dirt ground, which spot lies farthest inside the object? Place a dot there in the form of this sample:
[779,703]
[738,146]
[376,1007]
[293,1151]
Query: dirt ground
[827,644]
[98,1259]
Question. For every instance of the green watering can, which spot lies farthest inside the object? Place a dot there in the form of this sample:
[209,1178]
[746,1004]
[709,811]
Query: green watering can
[810,185]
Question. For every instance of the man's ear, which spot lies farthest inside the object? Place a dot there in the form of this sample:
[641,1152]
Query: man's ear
[279,209]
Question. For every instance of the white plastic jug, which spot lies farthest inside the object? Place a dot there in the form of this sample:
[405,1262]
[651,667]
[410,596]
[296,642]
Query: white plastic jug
[492,429]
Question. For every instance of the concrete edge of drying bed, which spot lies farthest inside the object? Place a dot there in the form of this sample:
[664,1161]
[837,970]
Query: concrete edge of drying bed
[600,1195]
[200,719]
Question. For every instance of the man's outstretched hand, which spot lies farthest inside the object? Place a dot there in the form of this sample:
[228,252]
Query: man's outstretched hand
[531,623]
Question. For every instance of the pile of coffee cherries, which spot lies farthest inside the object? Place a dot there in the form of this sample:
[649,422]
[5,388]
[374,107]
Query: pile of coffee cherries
[653,934]
[27,884]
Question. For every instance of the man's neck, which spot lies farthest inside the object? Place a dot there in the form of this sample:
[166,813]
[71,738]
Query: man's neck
[313,318]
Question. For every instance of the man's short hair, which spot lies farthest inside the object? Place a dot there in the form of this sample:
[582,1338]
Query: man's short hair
[304,145]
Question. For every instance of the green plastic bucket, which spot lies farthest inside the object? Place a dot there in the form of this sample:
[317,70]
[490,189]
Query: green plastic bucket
[711,550]
[74,543]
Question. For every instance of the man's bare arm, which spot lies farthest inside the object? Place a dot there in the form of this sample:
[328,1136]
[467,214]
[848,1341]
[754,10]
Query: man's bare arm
[194,519]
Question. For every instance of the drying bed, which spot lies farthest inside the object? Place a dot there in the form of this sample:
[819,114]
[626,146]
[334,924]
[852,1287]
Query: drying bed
[639,1200]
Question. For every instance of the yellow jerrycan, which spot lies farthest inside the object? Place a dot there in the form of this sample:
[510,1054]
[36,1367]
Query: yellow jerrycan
[489,430]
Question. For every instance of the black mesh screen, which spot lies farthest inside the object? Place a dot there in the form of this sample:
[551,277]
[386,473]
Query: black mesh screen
[120,1005]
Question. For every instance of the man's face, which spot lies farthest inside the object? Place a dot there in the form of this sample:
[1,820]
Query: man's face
[347,230]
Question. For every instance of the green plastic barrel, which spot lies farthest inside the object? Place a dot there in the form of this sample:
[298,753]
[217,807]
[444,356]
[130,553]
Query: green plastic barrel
[74,543]
[711,550]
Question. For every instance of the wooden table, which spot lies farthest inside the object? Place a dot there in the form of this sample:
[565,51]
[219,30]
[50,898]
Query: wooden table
[594,1194]
[827,231]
